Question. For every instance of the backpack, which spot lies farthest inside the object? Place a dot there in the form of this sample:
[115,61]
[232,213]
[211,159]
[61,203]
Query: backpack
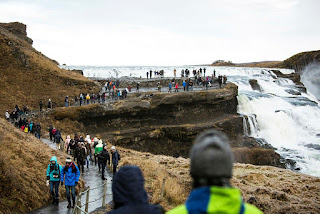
[55,168]
[119,158]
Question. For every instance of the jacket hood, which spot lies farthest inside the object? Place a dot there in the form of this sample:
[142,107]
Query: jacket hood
[54,158]
[128,187]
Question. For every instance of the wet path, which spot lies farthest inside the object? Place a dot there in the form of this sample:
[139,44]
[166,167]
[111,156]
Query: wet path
[92,178]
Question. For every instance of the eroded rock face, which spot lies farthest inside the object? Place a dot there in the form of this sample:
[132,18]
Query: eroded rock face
[167,124]
[18,29]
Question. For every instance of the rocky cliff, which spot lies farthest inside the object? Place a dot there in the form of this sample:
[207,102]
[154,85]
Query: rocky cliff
[299,61]
[27,76]
[164,123]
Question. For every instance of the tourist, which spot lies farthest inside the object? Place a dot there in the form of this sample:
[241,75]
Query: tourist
[88,99]
[97,149]
[38,131]
[66,144]
[220,80]
[170,87]
[7,115]
[129,195]
[58,139]
[211,170]
[138,86]
[81,155]
[66,101]
[70,174]
[31,127]
[225,79]
[174,73]
[147,74]
[53,179]
[40,105]
[49,104]
[88,150]
[176,88]
[104,159]
[184,85]
[115,159]
[150,74]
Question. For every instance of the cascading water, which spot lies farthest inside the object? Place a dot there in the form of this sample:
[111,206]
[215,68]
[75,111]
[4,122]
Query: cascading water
[282,114]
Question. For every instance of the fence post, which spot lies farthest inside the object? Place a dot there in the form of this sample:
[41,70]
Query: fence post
[75,209]
[104,193]
[162,188]
[79,204]
[87,200]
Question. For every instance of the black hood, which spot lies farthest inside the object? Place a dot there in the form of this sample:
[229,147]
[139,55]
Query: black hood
[128,187]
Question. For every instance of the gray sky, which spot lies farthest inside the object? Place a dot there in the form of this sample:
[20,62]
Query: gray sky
[167,32]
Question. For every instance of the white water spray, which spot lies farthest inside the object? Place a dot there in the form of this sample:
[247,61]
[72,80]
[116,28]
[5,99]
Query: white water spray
[310,76]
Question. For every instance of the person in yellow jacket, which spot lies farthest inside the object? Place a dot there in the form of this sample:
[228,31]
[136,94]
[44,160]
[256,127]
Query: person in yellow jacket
[211,170]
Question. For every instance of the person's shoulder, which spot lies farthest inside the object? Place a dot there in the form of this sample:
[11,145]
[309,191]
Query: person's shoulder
[178,210]
[249,208]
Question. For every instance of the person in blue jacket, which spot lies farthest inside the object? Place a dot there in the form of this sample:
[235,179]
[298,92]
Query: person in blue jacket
[53,179]
[129,195]
[70,173]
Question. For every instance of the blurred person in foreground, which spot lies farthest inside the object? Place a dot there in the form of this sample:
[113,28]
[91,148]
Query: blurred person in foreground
[129,195]
[211,171]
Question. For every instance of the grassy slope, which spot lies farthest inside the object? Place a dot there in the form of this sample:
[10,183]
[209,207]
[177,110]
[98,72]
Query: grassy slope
[271,189]
[27,76]
[23,164]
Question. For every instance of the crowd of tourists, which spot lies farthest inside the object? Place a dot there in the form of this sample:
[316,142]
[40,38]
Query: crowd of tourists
[18,117]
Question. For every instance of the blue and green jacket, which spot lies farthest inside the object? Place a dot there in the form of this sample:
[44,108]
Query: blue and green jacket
[53,170]
[214,199]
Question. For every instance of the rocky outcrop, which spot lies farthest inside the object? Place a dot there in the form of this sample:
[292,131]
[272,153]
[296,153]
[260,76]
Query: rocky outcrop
[299,61]
[77,71]
[163,123]
[255,85]
[18,29]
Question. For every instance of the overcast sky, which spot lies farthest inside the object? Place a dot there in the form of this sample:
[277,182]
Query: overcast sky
[167,32]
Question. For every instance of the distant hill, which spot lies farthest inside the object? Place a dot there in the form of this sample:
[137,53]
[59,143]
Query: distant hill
[27,76]
[297,62]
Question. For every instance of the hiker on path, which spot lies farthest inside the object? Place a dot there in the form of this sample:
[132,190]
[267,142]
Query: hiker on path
[58,140]
[104,159]
[40,105]
[54,131]
[38,131]
[70,174]
[211,170]
[66,101]
[88,151]
[80,155]
[53,179]
[66,144]
[129,194]
[98,148]
[115,159]
[50,132]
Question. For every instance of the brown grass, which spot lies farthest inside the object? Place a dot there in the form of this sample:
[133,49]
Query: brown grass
[27,76]
[271,189]
[23,164]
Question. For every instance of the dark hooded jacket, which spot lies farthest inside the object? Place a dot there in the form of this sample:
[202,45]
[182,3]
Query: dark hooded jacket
[129,195]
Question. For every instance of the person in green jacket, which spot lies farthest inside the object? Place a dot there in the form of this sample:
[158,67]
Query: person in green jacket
[53,179]
[211,170]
